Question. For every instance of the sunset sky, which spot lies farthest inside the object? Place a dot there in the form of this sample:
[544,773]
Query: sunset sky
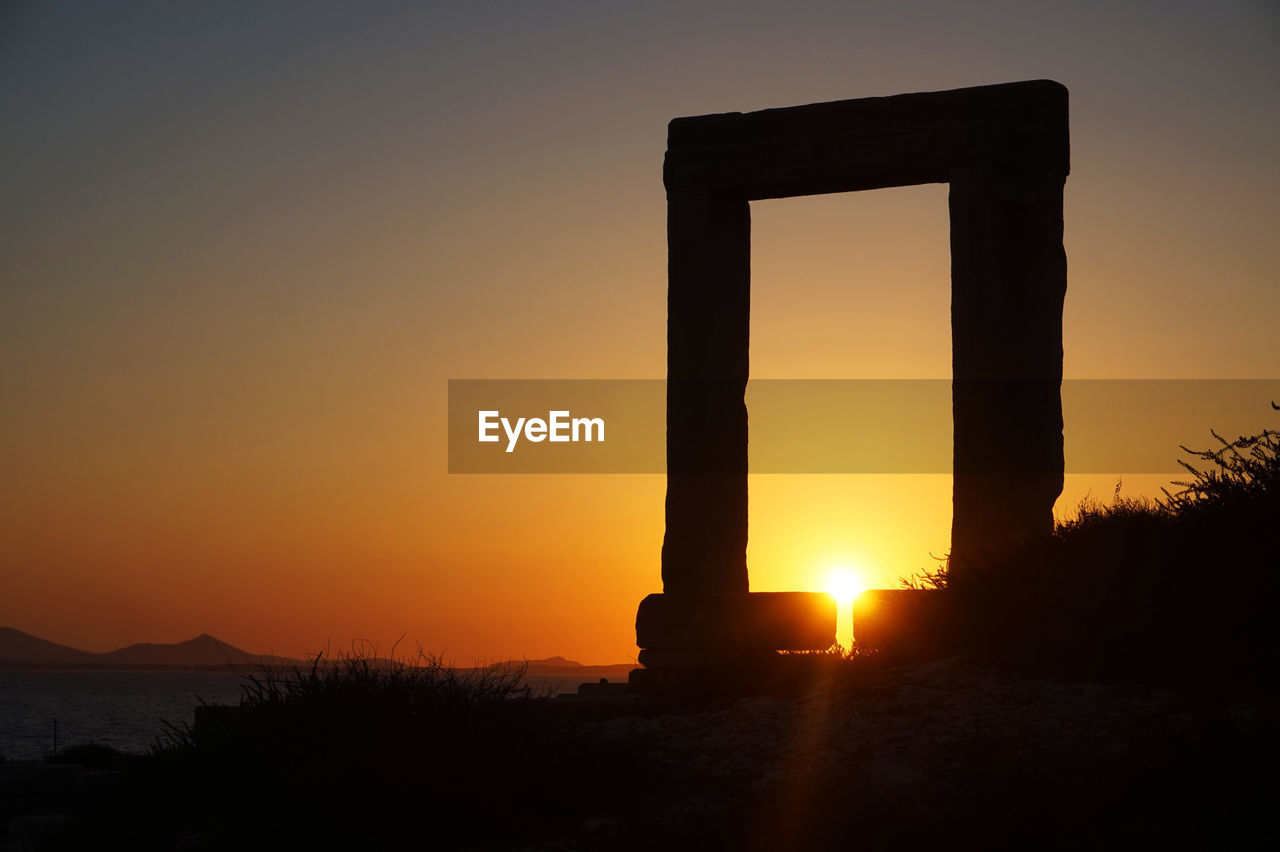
[246,245]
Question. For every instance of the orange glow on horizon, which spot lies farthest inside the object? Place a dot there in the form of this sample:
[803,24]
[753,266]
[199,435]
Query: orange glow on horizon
[226,336]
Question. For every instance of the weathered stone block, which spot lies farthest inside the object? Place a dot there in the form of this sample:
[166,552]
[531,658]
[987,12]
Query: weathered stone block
[904,624]
[766,621]
[703,658]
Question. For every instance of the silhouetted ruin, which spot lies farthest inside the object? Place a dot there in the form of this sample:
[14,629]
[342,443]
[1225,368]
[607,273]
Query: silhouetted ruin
[1004,150]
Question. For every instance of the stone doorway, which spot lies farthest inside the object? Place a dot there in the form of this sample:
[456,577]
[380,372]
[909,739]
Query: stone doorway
[1004,151]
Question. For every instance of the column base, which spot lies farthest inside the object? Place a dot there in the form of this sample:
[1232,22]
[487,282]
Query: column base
[753,622]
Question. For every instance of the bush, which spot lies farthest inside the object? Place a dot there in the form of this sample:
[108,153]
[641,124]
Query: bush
[1180,588]
[367,753]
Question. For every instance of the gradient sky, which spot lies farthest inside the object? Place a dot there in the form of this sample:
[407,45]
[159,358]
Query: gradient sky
[245,245]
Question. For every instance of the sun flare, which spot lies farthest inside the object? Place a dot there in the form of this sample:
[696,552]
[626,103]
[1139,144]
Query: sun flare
[844,585]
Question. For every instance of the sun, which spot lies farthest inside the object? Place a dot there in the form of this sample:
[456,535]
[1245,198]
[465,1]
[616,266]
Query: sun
[844,585]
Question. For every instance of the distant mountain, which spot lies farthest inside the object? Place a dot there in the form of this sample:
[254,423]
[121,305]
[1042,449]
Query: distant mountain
[22,650]
[204,651]
[569,673]
[19,647]
[551,662]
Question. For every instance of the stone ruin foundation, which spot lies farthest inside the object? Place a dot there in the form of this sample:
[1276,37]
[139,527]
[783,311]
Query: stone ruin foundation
[1004,150]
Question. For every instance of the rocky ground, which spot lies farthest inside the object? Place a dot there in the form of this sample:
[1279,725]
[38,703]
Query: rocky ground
[945,752]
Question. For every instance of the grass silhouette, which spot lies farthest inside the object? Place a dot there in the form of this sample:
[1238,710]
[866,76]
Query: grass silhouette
[1177,589]
[362,752]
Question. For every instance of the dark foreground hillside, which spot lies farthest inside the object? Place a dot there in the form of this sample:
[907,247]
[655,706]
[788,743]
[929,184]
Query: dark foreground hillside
[1113,692]
[874,757]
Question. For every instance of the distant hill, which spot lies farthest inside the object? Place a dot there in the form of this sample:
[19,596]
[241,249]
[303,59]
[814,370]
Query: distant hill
[22,650]
[204,651]
[551,662]
[19,647]
[565,675]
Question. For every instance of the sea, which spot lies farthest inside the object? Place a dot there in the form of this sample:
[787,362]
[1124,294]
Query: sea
[43,711]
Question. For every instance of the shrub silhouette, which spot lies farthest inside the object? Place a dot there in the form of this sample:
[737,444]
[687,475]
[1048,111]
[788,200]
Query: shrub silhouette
[366,753]
[1179,588]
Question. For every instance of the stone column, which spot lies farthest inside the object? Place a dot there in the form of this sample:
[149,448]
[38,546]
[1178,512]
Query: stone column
[1008,281]
[708,320]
